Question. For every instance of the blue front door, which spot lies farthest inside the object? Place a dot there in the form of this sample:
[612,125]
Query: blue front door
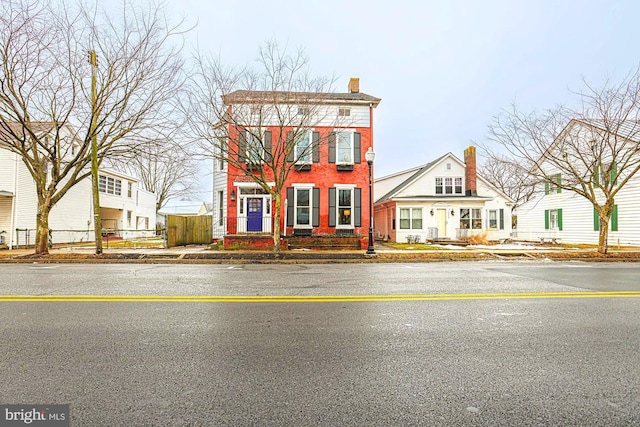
[254,214]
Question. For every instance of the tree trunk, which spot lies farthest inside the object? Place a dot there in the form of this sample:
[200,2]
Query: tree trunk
[603,238]
[605,217]
[276,222]
[42,229]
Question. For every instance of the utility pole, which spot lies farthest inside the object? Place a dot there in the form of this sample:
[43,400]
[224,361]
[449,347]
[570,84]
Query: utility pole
[97,222]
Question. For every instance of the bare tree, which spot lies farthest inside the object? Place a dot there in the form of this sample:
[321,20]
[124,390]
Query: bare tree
[258,120]
[591,151]
[508,176]
[165,168]
[45,88]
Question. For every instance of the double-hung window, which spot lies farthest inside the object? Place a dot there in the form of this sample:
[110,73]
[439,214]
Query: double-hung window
[254,150]
[303,203]
[303,149]
[344,148]
[493,219]
[345,207]
[411,218]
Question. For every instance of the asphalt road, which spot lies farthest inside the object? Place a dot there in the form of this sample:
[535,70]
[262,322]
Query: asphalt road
[487,343]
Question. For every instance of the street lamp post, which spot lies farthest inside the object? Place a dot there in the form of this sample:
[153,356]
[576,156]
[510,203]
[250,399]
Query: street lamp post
[370,155]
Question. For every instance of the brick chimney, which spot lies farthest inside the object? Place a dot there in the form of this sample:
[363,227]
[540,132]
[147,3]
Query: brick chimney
[470,171]
[354,85]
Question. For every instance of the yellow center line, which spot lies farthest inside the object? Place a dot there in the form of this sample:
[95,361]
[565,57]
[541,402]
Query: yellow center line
[317,298]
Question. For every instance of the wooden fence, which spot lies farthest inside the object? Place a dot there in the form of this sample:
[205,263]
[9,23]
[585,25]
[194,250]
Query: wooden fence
[189,230]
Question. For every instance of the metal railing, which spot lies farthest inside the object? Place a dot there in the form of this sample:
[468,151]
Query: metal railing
[462,234]
[432,233]
[242,225]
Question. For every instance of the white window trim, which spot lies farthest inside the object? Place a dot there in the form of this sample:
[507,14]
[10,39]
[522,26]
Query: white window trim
[295,205]
[339,187]
[444,185]
[260,141]
[351,133]
[309,153]
[411,209]
[496,212]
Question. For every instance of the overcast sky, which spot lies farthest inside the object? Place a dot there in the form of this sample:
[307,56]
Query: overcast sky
[442,68]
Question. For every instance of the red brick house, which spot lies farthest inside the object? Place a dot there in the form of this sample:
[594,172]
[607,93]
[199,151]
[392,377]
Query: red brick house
[326,189]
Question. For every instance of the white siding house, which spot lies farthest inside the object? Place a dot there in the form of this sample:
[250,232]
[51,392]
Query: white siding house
[559,214]
[441,200]
[126,209]
[127,212]
[71,217]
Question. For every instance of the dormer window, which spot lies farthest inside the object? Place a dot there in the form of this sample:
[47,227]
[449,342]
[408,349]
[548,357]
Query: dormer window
[449,185]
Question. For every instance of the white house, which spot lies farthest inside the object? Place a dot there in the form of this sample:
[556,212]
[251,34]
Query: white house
[557,213]
[441,200]
[127,210]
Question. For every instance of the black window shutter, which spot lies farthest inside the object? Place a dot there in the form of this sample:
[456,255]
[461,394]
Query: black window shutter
[316,207]
[501,219]
[357,148]
[290,147]
[332,207]
[290,207]
[357,204]
[315,141]
[267,146]
[242,145]
[332,147]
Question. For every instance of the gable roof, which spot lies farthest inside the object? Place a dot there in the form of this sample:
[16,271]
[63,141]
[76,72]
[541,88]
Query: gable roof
[627,129]
[423,170]
[285,97]
[420,170]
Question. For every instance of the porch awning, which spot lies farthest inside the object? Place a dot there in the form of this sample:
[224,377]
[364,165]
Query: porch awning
[6,193]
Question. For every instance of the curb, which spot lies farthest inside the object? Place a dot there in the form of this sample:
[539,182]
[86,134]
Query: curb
[316,257]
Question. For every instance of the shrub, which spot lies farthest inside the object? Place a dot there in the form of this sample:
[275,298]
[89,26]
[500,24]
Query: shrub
[478,239]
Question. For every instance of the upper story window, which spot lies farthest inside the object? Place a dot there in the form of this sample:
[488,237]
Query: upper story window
[304,111]
[109,185]
[254,150]
[344,112]
[449,185]
[303,149]
[129,189]
[344,147]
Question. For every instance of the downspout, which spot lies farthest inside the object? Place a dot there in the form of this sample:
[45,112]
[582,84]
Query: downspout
[284,232]
[14,202]
[373,196]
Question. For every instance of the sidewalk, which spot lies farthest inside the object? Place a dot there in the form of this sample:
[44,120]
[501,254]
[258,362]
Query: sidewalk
[202,254]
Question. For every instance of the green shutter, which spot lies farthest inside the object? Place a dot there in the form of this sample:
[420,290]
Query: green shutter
[546,219]
[596,220]
[614,218]
[614,173]
[501,219]
[558,181]
[560,219]
[546,186]
[596,177]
